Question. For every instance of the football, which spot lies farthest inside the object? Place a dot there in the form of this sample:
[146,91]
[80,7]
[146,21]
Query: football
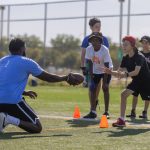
[79,77]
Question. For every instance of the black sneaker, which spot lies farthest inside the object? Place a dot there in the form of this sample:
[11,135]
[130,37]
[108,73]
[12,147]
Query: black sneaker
[107,114]
[91,115]
[132,115]
[144,115]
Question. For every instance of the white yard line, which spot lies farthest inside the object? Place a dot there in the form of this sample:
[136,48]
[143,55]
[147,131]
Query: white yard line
[129,124]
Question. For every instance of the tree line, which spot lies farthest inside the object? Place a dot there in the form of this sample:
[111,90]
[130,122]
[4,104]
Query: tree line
[64,51]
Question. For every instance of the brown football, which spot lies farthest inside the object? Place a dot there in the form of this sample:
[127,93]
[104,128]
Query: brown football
[79,77]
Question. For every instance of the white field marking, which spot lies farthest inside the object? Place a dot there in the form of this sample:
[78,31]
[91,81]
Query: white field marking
[128,124]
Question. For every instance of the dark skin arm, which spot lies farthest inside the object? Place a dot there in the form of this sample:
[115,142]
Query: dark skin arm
[70,79]
[45,76]
[105,85]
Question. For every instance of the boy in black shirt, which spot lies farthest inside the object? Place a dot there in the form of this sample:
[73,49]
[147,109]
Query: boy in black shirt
[133,65]
[145,41]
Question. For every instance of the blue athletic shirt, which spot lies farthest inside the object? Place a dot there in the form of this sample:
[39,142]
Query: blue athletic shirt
[14,73]
[85,42]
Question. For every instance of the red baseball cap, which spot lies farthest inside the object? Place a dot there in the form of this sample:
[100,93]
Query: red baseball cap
[131,39]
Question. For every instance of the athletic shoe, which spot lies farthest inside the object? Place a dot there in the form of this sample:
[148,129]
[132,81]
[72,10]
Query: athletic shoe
[132,115]
[91,115]
[107,114]
[119,123]
[144,115]
[2,121]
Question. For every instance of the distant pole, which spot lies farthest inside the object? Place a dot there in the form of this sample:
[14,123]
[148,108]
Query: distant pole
[128,20]
[121,21]
[85,17]
[1,26]
[45,34]
[8,24]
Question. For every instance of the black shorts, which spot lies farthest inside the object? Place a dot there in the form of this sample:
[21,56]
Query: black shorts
[21,110]
[141,88]
[108,78]
[98,77]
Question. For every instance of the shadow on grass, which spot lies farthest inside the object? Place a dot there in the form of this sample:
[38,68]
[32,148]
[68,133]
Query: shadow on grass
[81,123]
[139,121]
[124,132]
[19,135]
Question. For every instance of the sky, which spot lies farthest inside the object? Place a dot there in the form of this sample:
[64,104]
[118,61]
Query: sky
[139,25]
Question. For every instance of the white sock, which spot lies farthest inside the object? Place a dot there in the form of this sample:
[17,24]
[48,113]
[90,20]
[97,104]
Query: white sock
[93,111]
[12,120]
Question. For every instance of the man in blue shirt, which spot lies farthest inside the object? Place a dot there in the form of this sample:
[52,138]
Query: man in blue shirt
[95,26]
[14,72]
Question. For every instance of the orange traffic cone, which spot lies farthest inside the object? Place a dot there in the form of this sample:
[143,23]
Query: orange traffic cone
[76,112]
[103,122]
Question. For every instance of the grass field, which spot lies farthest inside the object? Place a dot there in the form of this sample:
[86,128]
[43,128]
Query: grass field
[58,133]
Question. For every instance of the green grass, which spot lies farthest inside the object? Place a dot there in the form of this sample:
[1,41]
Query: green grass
[61,134]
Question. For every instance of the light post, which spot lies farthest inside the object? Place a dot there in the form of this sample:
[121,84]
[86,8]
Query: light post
[128,19]
[1,26]
[121,21]
[85,17]
[119,55]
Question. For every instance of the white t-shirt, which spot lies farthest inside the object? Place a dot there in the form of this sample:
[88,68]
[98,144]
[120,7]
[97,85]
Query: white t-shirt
[98,58]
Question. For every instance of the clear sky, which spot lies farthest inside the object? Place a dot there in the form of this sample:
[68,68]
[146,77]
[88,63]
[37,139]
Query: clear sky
[139,25]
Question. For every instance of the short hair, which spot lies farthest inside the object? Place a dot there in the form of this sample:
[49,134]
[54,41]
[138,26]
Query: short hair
[16,44]
[93,21]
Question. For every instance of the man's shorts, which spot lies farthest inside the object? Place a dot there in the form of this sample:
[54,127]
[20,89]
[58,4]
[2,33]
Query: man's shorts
[141,88]
[21,110]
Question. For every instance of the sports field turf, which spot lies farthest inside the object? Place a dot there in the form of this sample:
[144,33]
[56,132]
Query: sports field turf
[56,104]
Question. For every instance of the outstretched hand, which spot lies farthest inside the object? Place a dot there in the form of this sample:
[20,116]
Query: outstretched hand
[107,70]
[31,94]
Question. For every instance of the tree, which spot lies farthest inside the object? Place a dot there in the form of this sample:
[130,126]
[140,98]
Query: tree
[31,41]
[64,42]
[34,47]
[72,60]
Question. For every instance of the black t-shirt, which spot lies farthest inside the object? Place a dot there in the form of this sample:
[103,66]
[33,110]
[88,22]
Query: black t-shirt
[147,56]
[137,59]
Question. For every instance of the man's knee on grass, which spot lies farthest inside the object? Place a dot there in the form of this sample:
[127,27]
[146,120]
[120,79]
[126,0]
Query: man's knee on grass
[31,127]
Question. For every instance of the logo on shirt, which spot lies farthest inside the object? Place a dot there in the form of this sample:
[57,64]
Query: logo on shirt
[96,60]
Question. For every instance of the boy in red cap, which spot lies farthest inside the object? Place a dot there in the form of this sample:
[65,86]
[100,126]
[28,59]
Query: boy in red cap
[133,65]
[145,41]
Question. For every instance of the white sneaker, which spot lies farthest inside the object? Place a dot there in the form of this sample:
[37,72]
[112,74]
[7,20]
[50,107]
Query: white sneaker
[2,121]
